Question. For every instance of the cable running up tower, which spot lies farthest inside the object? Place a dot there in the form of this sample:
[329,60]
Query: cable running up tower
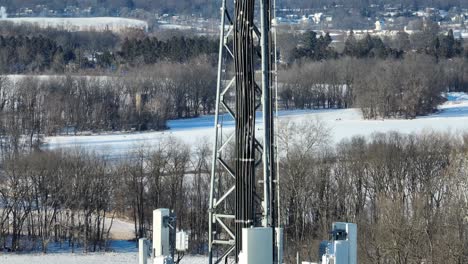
[243,183]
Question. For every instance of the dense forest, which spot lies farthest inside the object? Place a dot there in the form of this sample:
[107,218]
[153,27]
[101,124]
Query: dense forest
[22,54]
[382,89]
[26,50]
[140,100]
[430,41]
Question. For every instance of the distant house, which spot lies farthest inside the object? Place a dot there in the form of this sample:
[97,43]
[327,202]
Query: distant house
[443,14]
[317,17]
[379,25]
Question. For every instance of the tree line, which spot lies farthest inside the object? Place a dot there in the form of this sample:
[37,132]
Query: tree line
[58,198]
[407,193]
[404,88]
[48,105]
[85,40]
[175,49]
[70,200]
[28,50]
[429,41]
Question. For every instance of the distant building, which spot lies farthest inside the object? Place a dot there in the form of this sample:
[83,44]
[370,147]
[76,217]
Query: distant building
[421,14]
[379,25]
[317,17]
[3,12]
[443,14]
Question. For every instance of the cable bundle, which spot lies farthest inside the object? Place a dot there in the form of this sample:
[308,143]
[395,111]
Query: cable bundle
[245,116]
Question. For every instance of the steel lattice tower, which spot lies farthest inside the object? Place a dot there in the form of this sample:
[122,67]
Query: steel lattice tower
[243,183]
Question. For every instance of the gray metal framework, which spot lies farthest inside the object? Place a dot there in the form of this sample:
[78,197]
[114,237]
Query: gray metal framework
[243,187]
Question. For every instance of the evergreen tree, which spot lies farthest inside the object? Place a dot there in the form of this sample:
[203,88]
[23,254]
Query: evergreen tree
[314,48]
[350,48]
[378,48]
[447,45]
[105,60]
[130,4]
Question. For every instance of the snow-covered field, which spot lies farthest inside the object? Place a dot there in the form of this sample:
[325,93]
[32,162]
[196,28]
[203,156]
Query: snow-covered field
[121,251]
[115,24]
[344,123]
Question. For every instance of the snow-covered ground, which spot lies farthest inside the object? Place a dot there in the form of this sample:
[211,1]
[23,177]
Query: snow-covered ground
[94,258]
[121,229]
[344,123]
[120,251]
[115,24]
[174,26]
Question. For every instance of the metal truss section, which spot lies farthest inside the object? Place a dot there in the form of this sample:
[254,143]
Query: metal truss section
[243,180]
[221,237]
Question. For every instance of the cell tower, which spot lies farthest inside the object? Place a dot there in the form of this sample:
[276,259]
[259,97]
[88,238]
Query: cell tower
[243,192]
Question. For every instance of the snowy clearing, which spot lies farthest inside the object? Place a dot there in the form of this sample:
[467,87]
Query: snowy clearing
[344,123]
[121,229]
[114,24]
